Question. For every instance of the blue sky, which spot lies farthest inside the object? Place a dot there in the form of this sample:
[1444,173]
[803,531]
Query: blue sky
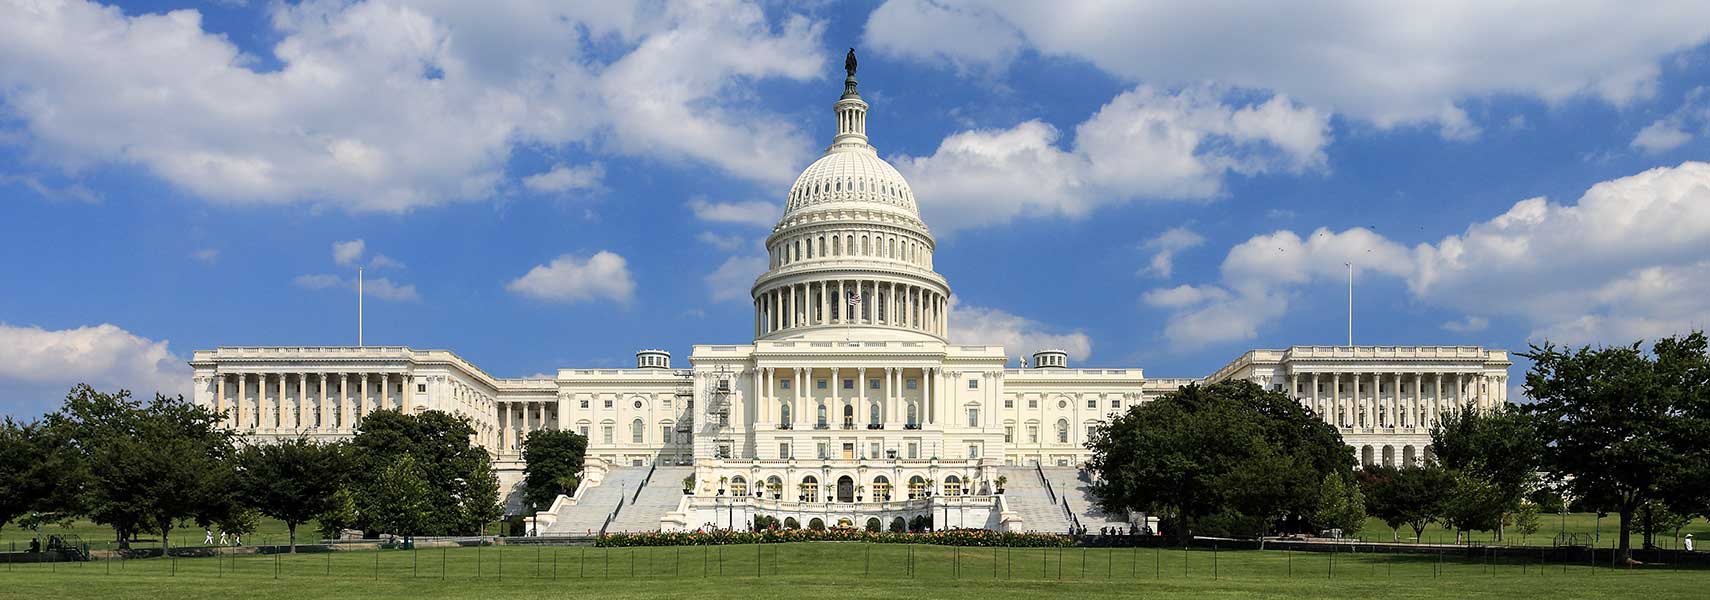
[539,186]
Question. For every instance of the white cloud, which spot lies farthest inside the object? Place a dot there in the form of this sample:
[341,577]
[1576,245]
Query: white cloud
[1145,143]
[44,364]
[563,178]
[1672,132]
[1164,249]
[1625,262]
[1385,63]
[1019,336]
[758,213]
[374,287]
[392,106]
[734,278]
[347,253]
[569,278]
[727,243]
[1470,324]
[381,261]
[319,281]
[1660,137]
[1259,278]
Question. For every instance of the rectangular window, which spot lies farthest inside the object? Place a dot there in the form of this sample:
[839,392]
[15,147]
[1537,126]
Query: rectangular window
[606,433]
[1033,403]
[1116,404]
[665,402]
[848,384]
[1032,434]
[973,451]
[825,450]
[973,384]
[665,432]
[910,384]
[1009,403]
[608,403]
[914,449]
[421,388]
[1403,388]
[1341,388]
[873,450]
[1090,430]
[872,384]
[783,384]
[820,384]
[584,403]
[783,450]
[973,417]
[1008,434]
[1092,402]
[583,430]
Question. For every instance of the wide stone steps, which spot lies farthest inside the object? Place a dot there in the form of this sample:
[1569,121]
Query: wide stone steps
[1026,495]
[1075,485]
[589,513]
[662,494]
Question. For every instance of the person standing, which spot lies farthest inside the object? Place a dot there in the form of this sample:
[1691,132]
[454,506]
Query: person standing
[207,537]
[1688,542]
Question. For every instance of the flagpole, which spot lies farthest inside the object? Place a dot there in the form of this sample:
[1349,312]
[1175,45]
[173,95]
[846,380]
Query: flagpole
[1350,266]
[359,307]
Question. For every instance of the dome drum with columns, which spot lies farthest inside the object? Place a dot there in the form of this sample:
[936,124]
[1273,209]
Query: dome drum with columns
[849,403]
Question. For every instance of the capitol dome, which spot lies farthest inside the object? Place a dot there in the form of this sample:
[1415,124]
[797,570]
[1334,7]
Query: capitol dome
[850,250]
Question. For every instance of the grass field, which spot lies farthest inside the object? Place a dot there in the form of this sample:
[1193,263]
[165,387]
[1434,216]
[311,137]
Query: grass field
[838,571]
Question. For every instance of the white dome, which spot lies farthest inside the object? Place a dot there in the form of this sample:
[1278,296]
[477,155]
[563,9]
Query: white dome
[847,176]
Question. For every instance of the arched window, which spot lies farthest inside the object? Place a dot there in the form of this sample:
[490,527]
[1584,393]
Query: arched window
[882,489]
[822,246]
[913,419]
[873,414]
[822,415]
[952,486]
[738,486]
[784,413]
[775,487]
[1062,431]
[809,489]
[637,431]
[848,415]
[916,487]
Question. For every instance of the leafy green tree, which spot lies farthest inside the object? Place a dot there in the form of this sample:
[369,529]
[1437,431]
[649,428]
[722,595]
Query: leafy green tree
[554,458]
[148,466]
[1229,456]
[462,489]
[399,500]
[1411,496]
[339,515]
[292,480]
[38,473]
[1472,503]
[1527,519]
[1499,447]
[1622,424]
[1341,504]
[1655,517]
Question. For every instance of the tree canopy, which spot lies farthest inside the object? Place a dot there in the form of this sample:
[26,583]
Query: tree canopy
[1493,458]
[292,480]
[462,491]
[553,458]
[1229,457]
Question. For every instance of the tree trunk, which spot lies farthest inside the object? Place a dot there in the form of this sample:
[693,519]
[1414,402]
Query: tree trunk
[292,527]
[1625,553]
[165,538]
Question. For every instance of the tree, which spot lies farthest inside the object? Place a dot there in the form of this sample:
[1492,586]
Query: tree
[292,480]
[1500,448]
[1411,496]
[38,472]
[1229,456]
[463,492]
[148,466]
[1621,424]
[1472,504]
[399,499]
[1527,520]
[1341,505]
[554,459]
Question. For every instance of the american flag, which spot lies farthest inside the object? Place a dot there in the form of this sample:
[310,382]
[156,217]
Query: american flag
[854,299]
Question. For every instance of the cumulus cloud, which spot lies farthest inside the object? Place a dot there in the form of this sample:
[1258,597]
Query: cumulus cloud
[1144,144]
[37,366]
[1164,249]
[1018,335]
[374,287]
[1626,261]
[734,278]
[570,278]
[758,213]
[1387,64]
[345,254]
[727,243]
[1677,128]
[395,105]
[564,178]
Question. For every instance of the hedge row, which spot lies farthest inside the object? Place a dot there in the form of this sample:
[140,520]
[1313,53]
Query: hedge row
[953,537]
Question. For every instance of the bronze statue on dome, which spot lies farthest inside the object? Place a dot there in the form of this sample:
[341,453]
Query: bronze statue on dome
[849,62]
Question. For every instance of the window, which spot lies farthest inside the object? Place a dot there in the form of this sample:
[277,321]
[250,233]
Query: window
[973,417]
[1033,403]
[913,419]
[873,415]
[783,450]
[1092,402]
[584,402]
[973,384]
[582,430]
[825,450]
[1032,434]
[952,486]
[910,384]
[665,402]
[608,403]
[784,413]
[914,449]
[1062,431]
[1090,429]
[872,384]
[606,433]
[421,388]
[1008,434]
[821,415]
[665,433]
[1009,403]
[1117,403]
[783,384]
[820,384]
[848,384]
[637,432]
[873,450]
[973,451]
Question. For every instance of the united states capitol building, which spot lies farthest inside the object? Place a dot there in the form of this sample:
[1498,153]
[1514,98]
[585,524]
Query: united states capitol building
[853,405]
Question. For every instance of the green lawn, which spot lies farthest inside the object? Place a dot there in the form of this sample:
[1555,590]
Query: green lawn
[1584,524]
[839,570]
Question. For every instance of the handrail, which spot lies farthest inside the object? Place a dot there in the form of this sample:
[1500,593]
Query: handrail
[1074,521]
[612,516]
[1048,490]
[644,479]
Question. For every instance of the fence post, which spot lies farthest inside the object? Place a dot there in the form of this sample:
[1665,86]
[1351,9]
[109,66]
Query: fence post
[377,561]
[443,552]
[1214,561]
[1331,574]
[275,563]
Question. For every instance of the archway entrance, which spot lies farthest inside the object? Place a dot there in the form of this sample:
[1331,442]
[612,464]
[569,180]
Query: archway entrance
[845,489]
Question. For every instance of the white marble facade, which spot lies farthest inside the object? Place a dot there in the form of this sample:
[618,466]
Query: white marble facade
[852,377]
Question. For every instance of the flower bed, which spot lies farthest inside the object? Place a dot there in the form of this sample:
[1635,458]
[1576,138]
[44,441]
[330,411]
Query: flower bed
[954,537]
